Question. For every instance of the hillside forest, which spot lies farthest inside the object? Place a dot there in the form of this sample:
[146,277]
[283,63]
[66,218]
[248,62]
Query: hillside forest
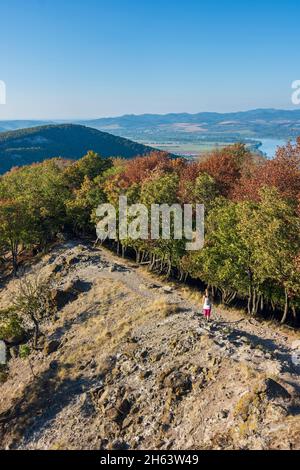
[251,255]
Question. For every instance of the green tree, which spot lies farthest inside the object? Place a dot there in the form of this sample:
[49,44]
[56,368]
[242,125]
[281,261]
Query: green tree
[40,190]
[222,262]
[91,166]
[273,232]
[16,228]
[80,208]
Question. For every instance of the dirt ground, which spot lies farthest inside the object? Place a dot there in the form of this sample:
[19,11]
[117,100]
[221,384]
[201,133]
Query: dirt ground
[129,362]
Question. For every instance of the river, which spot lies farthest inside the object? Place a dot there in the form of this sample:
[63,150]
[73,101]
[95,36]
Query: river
[269,146]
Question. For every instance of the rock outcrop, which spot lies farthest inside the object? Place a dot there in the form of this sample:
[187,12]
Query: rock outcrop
[129,363]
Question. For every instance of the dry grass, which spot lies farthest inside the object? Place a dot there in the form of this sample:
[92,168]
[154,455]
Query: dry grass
[118,313]
[162,308]
[115,317]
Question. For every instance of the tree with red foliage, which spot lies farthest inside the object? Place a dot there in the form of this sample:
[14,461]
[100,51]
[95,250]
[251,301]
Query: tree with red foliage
[141,168]
[283,173]
[226,167]
[188,176]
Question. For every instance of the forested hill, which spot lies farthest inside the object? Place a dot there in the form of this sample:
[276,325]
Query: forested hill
[253,124]
[25,146]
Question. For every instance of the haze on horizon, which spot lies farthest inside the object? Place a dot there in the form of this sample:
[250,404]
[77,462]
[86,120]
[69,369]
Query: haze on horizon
[98,58]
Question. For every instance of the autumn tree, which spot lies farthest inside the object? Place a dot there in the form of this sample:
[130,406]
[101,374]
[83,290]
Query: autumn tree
[226,167]
[282,172]
[164,253]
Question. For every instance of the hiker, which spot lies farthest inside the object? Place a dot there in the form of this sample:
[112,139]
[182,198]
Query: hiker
[206,305]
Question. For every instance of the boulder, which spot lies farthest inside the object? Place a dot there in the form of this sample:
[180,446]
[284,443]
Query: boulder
[51,346]
[154,286]
[54,365]
[145,374]
[15,338]
[118,411]
[87,408]
[273,390]
[144,354]
[107,365]
[179,383]
[123,407]
[3,374]
[80,286]
[56,266]
[3,353]
[73,259]
[14,352]
[157,357]
[167,289]
[69,292]
[118,445]
[62,296]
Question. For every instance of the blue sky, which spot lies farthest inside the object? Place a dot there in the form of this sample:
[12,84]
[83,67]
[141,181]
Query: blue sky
[93,58]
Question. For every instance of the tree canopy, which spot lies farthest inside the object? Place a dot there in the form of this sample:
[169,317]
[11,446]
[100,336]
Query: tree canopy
[252,237]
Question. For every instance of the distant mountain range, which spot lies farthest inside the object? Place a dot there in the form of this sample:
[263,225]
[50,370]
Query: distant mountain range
[254,124]
[182,134]
[25,146]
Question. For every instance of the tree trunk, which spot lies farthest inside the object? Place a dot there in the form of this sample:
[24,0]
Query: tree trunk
[256,305]
[36,333]
[250,295]
[286,307]
[253,303]
[14,254]
[249,300]
[169,269]
[212,290]
[262,303]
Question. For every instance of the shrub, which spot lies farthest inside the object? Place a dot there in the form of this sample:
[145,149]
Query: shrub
[11,329]
[34,303]
[24,351]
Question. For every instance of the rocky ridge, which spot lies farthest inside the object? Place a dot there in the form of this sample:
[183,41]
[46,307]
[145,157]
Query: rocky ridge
[129,362]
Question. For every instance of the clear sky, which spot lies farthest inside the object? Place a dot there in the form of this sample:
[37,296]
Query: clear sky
[93,58]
